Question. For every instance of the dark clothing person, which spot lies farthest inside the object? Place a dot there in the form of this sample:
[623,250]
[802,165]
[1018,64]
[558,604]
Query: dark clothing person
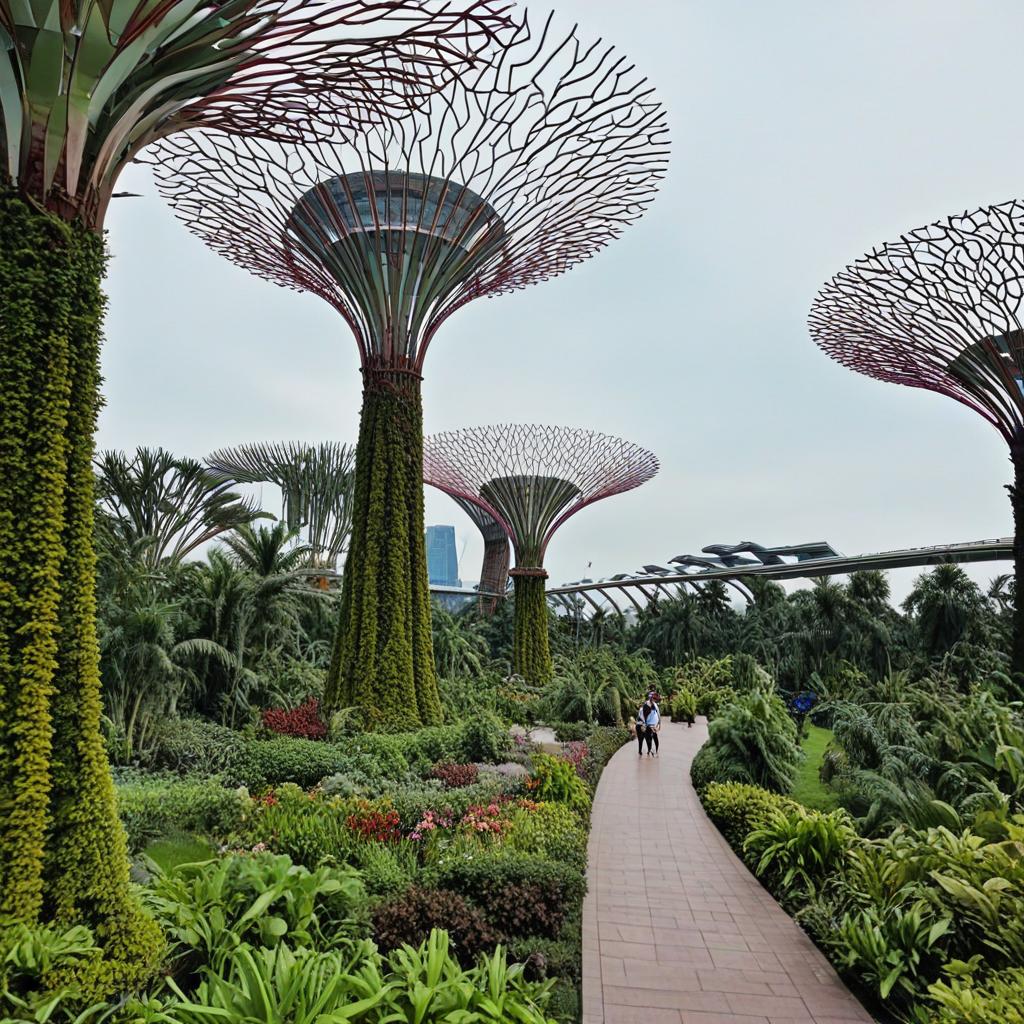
[652,734]
[648,718]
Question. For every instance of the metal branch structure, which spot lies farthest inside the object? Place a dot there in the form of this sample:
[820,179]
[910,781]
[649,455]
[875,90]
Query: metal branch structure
[514,172]
[940,309]
[530,479]
[84,86]
[497,556]
[317,484]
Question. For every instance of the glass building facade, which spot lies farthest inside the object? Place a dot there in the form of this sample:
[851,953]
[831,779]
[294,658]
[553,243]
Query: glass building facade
[442,559]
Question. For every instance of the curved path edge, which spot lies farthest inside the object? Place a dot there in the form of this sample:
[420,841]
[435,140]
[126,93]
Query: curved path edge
[676,930]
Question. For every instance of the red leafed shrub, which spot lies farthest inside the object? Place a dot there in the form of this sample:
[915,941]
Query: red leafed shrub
[576,754]
[303,721]
[454,776]
[376,825]
[408,919]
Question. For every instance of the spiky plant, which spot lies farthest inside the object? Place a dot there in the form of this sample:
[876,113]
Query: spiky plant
[84,85]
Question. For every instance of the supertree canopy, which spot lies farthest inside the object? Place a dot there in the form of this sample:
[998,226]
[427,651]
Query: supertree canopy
[514,172]
[940,309]
[530,480]
[316,484]
[84,86]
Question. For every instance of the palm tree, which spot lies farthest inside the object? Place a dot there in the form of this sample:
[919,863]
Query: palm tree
[166,505]
[947,607]
[460,647]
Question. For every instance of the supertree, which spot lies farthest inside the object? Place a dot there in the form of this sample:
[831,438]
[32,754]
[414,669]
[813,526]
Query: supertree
[316,484]
[84,85]
[497,556]
[530,479]
[513,173]
[940,309]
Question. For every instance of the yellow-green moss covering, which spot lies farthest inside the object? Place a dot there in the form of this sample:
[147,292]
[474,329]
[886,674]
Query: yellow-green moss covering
[63,855]
[383,659]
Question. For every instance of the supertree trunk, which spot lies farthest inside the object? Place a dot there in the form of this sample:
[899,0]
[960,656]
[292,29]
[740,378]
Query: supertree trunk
[63,853]
[383,658]
[531,655]
[1017,500]
[494,572]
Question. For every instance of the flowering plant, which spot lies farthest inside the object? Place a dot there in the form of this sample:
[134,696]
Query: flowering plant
[304,721]
[430,822]
[489,819]
[454,776]
[376,825]
[576,754]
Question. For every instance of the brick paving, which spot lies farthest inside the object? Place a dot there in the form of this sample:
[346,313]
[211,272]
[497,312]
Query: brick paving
[675,929]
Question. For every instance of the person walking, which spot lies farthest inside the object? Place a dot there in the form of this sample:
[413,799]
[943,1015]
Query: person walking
[648,725]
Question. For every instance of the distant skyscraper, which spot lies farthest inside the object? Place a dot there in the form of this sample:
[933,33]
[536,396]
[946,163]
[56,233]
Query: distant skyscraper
[442,561]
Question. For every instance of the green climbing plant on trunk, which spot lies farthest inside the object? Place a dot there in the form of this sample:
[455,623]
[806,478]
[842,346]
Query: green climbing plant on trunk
[383,659]
[531,655]
[63,854]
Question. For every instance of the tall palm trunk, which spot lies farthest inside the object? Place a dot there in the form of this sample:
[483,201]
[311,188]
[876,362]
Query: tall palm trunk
[63,852]
[383,657]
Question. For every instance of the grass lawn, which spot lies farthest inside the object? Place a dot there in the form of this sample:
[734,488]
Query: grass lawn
[169,853]
[808,790]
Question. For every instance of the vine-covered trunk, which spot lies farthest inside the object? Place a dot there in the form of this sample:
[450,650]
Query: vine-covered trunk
[531,653]
[63,854]
[383,661]
[494,571]
[1017,500]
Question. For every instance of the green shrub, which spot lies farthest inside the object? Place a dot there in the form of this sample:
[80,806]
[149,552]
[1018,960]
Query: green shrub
[796,850]
[707,767]
[548,958]
[387,869]
[426,747]
[571,732]
[484,738]
[754,739]
[262,763]
[193,746]
[995,997]
[737,808]
[158,806]
[408,919]
[210,909]
[552,830]
[555,779]
[683,706]
[896,951]
[309,830]
[602,744]
[519,893]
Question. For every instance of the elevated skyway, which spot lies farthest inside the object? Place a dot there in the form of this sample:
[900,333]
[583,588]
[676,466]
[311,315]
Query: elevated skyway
[732,563]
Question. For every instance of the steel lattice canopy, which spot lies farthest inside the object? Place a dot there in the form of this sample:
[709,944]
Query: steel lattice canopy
[531,478]
[940,308]
[511,172]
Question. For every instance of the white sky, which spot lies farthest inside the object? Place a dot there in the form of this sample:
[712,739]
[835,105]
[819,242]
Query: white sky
[803,134]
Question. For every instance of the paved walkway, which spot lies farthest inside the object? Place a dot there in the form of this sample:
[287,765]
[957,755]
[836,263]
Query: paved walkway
[675,929]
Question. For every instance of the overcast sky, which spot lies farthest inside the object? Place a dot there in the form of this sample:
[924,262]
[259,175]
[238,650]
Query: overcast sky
[803,133]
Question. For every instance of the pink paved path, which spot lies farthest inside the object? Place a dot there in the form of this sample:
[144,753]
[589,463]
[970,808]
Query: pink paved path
[675,929]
